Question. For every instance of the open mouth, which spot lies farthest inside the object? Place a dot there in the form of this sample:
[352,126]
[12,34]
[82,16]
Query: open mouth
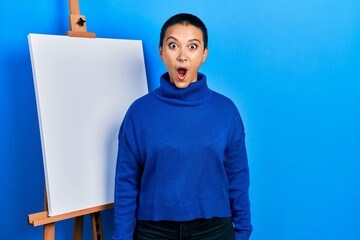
[181,72]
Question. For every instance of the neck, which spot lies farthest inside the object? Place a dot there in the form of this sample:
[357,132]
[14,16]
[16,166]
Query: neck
[195,93]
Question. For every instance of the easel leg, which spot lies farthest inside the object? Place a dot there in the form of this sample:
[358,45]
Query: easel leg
[78,227]
[96,226]
[49,231]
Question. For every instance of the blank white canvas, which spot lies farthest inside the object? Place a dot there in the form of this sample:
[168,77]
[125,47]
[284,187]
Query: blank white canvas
[83,88]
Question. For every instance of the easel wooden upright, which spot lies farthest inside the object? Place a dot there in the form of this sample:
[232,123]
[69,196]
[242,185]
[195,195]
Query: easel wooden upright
[77,22]
[77,29]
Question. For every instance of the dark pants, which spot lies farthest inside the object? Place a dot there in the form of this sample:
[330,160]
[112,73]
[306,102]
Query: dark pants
[198,229]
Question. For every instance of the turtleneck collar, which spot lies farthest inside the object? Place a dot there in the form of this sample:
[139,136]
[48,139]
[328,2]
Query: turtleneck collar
[193,94]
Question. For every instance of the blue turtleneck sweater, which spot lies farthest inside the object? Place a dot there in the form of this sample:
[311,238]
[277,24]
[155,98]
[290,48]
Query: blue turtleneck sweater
[181,157]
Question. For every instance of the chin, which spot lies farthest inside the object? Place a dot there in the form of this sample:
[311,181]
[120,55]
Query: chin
[181,84]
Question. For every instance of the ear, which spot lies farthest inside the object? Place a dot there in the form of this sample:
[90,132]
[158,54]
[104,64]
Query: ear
[161,53]
[205,55]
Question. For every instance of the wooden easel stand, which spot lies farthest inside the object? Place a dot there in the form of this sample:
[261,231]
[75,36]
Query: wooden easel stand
[77,29]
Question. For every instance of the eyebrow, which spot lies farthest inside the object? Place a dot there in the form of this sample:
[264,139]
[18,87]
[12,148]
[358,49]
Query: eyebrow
[191,40]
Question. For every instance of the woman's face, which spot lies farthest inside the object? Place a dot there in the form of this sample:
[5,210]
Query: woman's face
[183,53]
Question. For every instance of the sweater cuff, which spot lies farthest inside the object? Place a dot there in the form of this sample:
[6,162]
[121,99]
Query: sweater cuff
[116,238]
[243,235]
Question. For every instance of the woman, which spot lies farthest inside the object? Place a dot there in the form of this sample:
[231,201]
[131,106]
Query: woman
[182,170]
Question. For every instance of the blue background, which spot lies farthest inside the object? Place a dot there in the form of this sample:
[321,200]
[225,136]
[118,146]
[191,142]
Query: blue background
[291,67]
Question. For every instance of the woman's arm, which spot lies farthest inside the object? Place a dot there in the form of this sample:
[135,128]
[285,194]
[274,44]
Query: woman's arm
[126,189]
[236,166]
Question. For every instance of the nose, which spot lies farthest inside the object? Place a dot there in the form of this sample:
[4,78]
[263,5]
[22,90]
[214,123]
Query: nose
[182,56]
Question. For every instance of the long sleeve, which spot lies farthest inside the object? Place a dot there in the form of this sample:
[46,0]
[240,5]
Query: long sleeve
[236,166]
[126,189]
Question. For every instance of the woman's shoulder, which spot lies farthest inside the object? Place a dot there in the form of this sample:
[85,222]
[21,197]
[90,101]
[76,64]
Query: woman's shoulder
[222,100]
[141,103]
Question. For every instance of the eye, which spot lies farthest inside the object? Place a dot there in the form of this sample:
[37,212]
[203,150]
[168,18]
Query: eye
[193,46]
[172,45]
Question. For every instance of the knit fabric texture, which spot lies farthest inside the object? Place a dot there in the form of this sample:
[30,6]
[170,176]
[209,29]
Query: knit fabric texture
[181,157]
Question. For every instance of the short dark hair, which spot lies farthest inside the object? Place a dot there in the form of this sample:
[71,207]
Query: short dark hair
[184,18]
